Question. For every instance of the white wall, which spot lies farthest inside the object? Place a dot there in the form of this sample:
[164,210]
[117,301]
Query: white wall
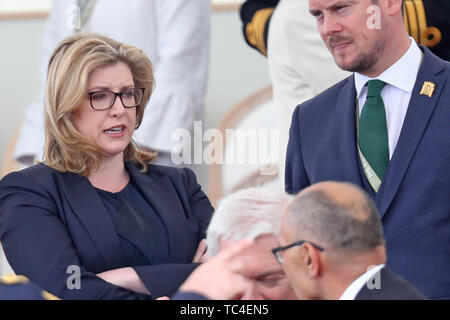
[235,70]
[19,64]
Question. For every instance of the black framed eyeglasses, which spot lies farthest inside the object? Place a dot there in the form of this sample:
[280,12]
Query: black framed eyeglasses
[276,251]
[104,99]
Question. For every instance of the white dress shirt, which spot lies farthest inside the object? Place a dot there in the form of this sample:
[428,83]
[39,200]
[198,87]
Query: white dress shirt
[400,79]
[352,291]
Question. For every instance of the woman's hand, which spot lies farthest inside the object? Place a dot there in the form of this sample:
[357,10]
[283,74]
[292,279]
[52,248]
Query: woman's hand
[126,278]
[201,255]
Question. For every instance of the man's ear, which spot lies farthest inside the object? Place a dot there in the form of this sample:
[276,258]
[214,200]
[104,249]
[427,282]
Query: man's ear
[394,7]
[312,260]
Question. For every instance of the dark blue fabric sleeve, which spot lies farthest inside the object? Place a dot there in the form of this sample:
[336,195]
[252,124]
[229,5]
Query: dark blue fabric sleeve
[179,295]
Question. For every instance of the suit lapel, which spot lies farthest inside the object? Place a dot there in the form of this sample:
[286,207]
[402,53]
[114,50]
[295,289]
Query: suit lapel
[419,112]
[86,204]
[162,196]
[347,132]
[376,293]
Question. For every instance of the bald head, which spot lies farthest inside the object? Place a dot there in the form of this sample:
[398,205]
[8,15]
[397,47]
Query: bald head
[344,195]
[335,215]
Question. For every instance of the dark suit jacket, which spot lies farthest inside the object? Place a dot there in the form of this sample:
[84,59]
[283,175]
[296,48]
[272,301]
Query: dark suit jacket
[179,295]
[19,288]
[414,197]
[51,220]
[391,287]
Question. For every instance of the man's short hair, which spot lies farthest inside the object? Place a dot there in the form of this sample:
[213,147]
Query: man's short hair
[246,213]
[403,5]
[356,226]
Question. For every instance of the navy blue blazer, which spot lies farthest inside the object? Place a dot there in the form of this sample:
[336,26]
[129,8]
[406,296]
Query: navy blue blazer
[51,220]
[414,197]
[392,287]
[20,288]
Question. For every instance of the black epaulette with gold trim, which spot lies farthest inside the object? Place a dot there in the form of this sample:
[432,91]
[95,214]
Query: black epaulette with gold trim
[416,24]
[428,23]
[13,287]
[255,16]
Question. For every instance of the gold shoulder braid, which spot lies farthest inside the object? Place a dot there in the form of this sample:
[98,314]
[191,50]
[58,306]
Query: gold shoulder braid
[416,24]
[255,29]
[48,296]
[10,279]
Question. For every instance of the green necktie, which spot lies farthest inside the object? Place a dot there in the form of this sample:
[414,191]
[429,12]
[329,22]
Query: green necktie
[373,136]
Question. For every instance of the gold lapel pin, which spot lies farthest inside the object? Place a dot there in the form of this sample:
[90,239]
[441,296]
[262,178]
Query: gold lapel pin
[428,88]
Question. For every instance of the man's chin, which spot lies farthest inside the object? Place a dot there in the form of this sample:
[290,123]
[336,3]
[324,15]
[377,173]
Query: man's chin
[344,65]
[350,65]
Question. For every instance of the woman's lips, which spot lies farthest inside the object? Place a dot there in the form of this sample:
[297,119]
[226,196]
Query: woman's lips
[116,131]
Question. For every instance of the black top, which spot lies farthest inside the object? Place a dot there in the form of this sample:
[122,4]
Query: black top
[138,226]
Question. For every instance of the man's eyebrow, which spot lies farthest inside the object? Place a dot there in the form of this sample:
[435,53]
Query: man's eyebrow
[314,11]
[340,3]
[331,6]
[270,273]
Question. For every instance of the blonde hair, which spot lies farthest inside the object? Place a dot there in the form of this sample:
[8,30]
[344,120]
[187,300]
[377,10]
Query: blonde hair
[71,63]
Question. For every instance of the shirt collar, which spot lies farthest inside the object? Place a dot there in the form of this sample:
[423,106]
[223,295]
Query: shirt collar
[401,74]
[352,291]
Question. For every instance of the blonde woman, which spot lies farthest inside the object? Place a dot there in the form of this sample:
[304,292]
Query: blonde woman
[96,220]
